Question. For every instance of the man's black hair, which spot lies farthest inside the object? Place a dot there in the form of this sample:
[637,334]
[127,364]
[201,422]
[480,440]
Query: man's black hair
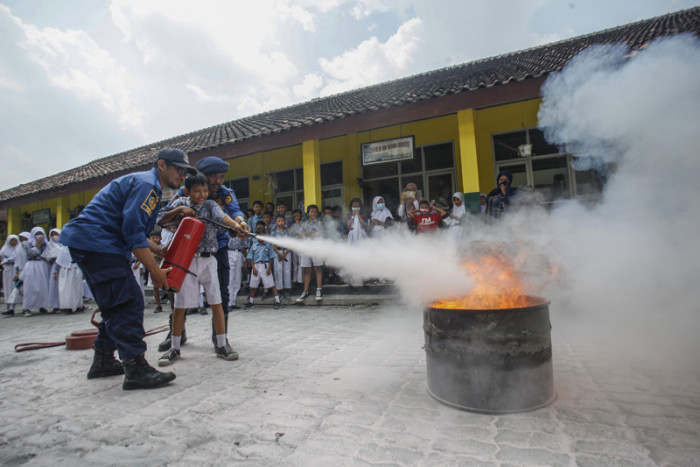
[267,213]
[311,206]
[257,201]
[422,202]
[280,215]
[297,210]
[197,179]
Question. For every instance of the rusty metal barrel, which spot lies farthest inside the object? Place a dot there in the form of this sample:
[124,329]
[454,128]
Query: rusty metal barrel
[491,361]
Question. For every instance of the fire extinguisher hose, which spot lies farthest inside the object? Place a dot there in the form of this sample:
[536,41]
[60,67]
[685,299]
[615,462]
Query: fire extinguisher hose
[178,266]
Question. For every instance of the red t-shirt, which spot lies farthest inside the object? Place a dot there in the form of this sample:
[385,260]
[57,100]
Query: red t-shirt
[428,222]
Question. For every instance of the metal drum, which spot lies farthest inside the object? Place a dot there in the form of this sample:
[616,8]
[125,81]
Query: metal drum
[492,361]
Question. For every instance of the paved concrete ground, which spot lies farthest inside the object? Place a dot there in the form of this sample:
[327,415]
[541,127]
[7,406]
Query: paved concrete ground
[327,386]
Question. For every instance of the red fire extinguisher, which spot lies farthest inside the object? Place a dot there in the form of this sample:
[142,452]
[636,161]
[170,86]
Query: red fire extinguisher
[181,251]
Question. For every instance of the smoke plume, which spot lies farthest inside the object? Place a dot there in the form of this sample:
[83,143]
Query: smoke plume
[624,270]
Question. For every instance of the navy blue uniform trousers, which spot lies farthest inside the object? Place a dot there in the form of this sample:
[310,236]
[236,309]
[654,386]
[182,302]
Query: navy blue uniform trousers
[223,269]
[119,297]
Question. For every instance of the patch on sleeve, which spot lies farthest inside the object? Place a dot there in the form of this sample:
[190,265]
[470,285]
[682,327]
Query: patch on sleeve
[228,199]
[150,202]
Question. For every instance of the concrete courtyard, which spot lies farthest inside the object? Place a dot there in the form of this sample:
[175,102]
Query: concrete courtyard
[326,386]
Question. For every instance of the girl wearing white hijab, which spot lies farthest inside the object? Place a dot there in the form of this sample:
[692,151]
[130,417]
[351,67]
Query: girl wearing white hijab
[50,254]
[379,216]
[457,215]
[70,282]
[458,210]
[35,274]
[10,273]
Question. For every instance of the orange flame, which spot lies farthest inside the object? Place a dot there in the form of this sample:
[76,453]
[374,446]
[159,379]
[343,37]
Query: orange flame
[498,286]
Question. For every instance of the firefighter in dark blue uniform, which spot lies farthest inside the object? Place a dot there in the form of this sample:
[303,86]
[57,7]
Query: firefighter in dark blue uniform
[215,170]
[101,240]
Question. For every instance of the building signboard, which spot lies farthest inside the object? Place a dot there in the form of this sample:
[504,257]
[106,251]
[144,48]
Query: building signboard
[387,151]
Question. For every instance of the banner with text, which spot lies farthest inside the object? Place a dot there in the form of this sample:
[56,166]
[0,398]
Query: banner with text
[387,151]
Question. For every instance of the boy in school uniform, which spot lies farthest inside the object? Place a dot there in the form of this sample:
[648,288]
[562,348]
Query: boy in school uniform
[283,258]
[203,265]
[261,254]
[311,228]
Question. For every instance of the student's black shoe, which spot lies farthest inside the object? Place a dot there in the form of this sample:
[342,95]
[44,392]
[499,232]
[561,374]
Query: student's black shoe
[104,364]
[277,305]
[140,375]
[43,311]
[169,357]
[158,309]
[234,307]
[203,311]
[249,305]
[8,313]
[226,352]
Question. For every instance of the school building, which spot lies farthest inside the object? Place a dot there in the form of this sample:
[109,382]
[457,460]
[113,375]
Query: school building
[447,130]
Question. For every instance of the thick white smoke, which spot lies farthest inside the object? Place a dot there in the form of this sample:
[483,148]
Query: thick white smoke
[633,263]
[625,271]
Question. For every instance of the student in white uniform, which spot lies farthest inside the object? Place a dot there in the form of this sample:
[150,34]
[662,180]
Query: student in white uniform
[70,283]
[50,254]
[35,274]
[10,273]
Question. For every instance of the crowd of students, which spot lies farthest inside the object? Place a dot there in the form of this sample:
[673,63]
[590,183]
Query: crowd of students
[39,275]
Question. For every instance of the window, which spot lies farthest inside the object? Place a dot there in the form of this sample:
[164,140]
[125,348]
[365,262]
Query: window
[431,169]
[241,188]
[288,188]
[536,163]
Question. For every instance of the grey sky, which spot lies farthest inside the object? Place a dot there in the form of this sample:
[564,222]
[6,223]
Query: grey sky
[84,79]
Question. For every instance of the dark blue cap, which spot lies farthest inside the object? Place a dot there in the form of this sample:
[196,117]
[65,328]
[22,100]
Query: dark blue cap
[212,165]
[176,157]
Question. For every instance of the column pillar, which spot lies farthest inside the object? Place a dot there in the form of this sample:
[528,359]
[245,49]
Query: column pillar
[311,159]
[61,213]
[468,159]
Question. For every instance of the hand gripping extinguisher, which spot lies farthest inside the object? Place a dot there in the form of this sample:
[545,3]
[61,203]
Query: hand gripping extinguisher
[181,251]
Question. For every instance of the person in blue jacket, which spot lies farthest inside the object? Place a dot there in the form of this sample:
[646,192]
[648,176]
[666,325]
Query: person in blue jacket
[115,224]
[215,170]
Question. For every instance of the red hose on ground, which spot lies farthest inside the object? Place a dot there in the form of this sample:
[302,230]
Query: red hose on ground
[79,340]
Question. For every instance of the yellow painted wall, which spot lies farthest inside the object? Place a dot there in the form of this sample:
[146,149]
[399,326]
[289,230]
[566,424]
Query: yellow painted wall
[14,215]
[346,148]
[509,117]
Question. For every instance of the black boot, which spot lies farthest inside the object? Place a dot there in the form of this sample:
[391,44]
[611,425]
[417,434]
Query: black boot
[166,344]
[141,375]
[104,364]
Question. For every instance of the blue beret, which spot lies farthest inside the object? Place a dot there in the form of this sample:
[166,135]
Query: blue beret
[212,165]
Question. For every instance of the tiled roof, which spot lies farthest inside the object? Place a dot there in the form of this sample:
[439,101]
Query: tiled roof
[502,69]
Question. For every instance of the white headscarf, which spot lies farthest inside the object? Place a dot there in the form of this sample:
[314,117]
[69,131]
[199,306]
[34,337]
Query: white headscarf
[64,258]
[459,211]
[21,258]
[32,240]
[54,248]
[9,252]
[380,214]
